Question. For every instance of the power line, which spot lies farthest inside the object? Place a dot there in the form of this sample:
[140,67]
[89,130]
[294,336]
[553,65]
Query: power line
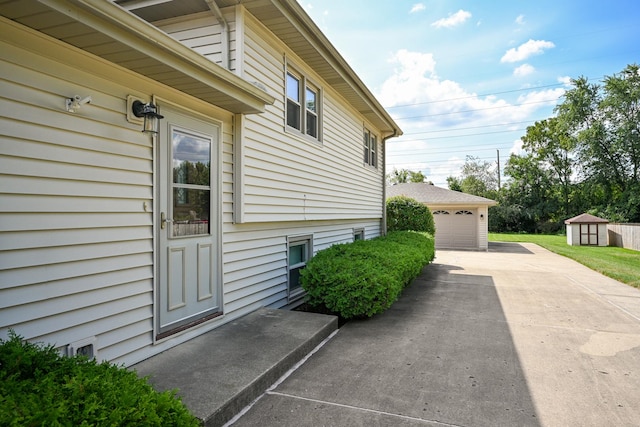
[438,164]
[475,109]
[600,79]
[474,96]
[447,151]
[493,144]
[464,135]
[467,128]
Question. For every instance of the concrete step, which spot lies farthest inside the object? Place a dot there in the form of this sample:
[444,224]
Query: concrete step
[218,373]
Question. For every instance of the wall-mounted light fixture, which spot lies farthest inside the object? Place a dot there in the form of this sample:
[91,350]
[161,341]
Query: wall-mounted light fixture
[481,216]
[74,104]
[150,114]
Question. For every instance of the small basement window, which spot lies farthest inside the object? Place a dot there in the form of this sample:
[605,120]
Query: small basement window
[358,234]
[299,252]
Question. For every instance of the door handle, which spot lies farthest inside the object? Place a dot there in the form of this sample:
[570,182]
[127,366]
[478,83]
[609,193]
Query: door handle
[164,220]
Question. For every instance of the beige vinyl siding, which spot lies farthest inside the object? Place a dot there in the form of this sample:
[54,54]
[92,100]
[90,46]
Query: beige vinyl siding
[255,259]
[483,227]
[291,177]
[76,254]
[77,193]
[203,33]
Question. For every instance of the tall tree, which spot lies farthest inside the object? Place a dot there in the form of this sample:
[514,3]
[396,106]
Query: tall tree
[605,122]
[551,148]
[477,177]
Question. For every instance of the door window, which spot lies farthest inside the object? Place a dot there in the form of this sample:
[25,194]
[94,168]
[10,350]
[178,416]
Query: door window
[191,184]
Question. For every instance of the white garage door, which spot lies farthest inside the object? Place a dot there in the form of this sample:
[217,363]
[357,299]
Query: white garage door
[456,228]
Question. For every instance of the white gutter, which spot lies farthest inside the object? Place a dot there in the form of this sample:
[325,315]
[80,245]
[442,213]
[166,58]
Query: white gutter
[383,224]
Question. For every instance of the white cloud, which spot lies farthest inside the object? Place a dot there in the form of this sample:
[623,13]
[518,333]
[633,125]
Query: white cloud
[417,8]
[520,20]
[516,148]
[523,70]
[550,95]
[525,50]
[424,105]
[452,20]
[565,80]
[439,102]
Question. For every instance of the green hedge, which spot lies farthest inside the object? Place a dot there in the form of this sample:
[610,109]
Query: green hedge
[405,213]
[365,277]
[39,387]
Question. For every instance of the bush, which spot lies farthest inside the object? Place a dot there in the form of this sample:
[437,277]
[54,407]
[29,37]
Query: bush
[40,387]
[407,214]
[365,277]
[511,219]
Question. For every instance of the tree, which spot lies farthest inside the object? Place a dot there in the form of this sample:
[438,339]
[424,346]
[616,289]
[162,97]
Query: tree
[416,176]
[403,176]
[477,177]
[605,122]
[551,148]
[527,200]
[454,184]
[585,159]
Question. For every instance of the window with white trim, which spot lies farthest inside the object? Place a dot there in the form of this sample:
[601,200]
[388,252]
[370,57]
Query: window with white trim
[299,251]
[370,149]
[303,105]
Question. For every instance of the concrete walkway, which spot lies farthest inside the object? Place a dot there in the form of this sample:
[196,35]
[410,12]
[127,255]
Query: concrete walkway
[219,373]
[516,336]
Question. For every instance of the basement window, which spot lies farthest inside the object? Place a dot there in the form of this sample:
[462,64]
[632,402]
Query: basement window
[299,250]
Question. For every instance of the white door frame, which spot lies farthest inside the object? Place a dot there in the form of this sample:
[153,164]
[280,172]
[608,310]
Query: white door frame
[215,222]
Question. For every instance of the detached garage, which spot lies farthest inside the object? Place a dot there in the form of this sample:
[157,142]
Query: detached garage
[461,219]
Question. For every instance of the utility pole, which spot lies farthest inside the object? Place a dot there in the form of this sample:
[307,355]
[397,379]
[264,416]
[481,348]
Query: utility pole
[498,151]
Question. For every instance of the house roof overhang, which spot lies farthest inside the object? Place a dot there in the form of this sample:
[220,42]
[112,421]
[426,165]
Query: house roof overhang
[288,21]
[114,34]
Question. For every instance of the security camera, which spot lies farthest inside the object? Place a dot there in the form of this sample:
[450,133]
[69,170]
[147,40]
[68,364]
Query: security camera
[76,102]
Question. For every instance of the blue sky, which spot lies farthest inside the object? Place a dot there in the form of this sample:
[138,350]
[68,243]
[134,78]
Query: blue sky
[467,77]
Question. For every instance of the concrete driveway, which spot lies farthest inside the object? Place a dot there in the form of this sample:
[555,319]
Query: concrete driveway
[516,336]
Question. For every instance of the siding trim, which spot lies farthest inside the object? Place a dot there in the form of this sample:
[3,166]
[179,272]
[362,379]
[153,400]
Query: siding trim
[238,168]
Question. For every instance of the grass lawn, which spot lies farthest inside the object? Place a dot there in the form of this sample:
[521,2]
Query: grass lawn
[617,263]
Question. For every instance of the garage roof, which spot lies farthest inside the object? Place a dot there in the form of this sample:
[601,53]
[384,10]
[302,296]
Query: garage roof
[431,195]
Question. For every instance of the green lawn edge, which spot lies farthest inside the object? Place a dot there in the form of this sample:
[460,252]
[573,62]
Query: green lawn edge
[620,264]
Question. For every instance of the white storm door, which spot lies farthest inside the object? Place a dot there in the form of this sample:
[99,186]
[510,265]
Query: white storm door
[188,201]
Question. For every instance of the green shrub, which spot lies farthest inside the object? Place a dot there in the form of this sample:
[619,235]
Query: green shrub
[40,387]
[365,277]
[405,213]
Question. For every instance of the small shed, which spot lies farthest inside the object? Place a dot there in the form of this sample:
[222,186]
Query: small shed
[587,230]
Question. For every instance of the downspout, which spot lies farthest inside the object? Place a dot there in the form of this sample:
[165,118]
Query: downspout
[225,33]
[383,224]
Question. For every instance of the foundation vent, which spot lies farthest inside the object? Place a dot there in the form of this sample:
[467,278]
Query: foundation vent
[85,347]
